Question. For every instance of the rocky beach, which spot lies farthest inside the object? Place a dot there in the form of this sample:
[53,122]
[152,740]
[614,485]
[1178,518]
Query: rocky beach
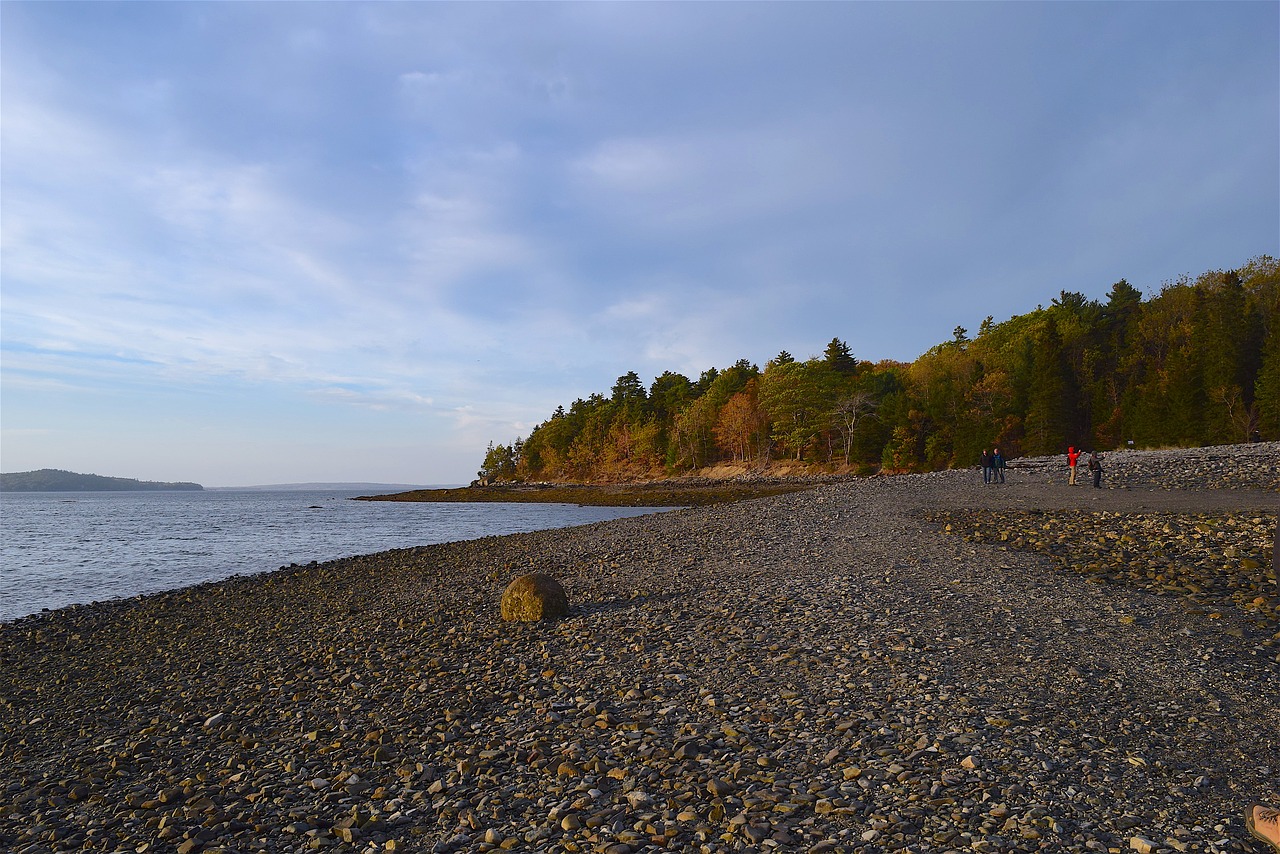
[920,663]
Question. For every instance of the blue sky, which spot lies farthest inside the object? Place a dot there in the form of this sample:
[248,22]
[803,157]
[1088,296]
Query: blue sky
[255,243]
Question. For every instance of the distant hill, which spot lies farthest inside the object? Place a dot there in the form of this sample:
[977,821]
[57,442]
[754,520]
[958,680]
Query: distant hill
[56,480]
[320,487]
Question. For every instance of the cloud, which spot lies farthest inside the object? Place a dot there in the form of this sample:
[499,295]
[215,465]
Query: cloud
[640,166]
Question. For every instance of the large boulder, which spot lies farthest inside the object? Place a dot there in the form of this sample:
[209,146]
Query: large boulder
[534,597]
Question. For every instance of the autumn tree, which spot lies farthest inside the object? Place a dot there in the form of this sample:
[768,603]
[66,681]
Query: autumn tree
[742,429]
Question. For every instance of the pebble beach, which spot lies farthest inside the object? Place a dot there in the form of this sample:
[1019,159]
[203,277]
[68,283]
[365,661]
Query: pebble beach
[920,663]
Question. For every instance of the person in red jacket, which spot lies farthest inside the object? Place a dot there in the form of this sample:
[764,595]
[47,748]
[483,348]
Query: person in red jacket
[1073,457]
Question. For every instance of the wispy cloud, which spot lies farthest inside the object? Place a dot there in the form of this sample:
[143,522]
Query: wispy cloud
[449,218]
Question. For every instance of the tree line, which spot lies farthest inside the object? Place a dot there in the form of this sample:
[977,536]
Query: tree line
[1196,364]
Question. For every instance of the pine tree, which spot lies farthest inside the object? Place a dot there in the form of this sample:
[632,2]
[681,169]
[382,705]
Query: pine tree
[839,357]
[1051,395]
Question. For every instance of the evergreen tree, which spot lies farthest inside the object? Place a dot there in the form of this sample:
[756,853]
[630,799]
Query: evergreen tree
[669,394]
[629,398]
[1051,395]
[839,357]
[1267,391]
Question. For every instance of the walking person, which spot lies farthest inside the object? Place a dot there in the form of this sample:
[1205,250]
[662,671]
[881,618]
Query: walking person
[986,466]
[1095,466]
[997,463]
[1073,457]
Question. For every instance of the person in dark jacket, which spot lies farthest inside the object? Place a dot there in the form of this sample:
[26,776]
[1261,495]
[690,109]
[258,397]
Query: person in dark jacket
[1095,467]
[986,466]
[997,463]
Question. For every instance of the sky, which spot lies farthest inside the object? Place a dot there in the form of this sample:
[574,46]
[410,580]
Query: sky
[252,243]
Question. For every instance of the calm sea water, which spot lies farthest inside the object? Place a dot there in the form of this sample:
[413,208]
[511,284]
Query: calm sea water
[61,548]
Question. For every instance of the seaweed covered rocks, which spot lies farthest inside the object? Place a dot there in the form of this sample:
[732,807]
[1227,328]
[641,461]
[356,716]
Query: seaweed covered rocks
[1211,561]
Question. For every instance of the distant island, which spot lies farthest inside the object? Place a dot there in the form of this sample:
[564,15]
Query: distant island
[56,480]
[325,486]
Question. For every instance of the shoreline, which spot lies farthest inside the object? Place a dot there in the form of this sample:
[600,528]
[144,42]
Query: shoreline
[673,493]
[701,490]
[826,670]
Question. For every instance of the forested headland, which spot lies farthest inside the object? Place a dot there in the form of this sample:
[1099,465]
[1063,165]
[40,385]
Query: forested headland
[1196,364]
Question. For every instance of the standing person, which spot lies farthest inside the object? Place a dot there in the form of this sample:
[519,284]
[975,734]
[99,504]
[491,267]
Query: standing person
[1073,457]
[997,463]
[1095,466]
[986,466]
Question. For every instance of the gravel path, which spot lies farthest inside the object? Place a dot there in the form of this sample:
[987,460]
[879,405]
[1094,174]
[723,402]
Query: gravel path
[831,670]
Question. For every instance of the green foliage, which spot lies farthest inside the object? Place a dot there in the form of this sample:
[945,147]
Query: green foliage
[1196,364]
[500,462]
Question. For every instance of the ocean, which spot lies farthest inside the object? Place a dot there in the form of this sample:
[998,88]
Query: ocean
[63,548]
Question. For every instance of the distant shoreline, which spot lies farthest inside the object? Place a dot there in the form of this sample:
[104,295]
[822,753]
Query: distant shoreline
[57,480]
[360,486]
[658,494]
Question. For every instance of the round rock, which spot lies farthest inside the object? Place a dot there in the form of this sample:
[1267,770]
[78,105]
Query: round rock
[534,597]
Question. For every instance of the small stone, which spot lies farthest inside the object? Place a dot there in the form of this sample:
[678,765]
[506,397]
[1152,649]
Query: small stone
[719,788]
[688,750]
[1142,845]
